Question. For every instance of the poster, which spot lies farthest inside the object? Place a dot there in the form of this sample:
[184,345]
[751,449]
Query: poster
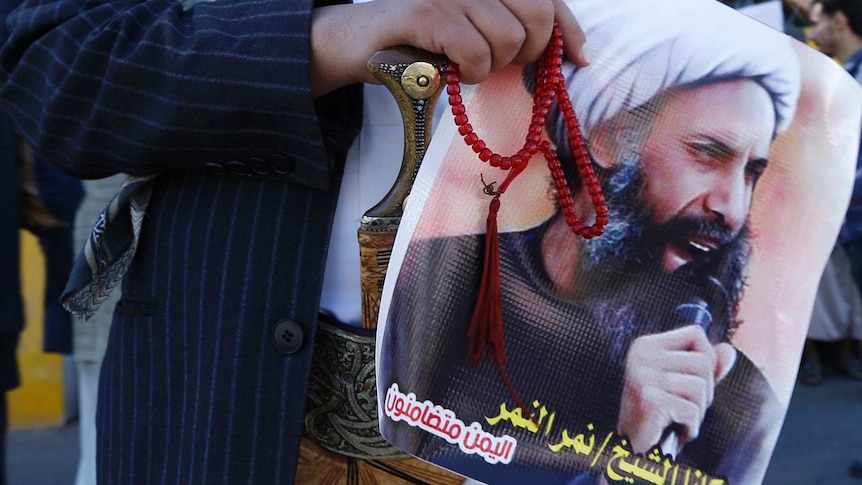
[664,351]
[770,13]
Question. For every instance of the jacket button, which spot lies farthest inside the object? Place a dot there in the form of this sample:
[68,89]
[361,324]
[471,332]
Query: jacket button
[214,168]
[237,167]
[281,164]
[287,336]
[259,165]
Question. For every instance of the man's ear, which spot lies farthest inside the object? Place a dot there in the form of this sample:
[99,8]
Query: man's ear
[607,143]
[840,21]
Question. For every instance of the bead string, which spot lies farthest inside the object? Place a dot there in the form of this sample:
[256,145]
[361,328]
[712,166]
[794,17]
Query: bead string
[486,324]
[550,85]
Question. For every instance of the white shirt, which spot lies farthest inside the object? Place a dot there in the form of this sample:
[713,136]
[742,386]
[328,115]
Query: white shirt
[372,164]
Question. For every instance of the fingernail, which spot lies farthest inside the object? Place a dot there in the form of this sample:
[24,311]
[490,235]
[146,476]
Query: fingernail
[585,54]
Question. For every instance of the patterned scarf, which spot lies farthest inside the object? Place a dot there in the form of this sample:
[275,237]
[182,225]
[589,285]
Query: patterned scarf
[109,249]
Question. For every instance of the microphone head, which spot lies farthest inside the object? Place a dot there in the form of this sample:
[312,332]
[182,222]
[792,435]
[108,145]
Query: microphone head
[695,312]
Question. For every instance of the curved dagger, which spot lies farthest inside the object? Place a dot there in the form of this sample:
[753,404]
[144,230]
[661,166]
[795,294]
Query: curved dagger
[414,78]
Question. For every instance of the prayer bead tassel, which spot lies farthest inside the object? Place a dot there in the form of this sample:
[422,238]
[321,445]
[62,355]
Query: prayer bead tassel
[486,325]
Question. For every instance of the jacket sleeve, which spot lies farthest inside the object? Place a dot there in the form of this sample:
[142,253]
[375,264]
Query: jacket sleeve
[144,86]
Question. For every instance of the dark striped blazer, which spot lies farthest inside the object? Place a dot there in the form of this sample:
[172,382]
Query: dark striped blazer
[205,373]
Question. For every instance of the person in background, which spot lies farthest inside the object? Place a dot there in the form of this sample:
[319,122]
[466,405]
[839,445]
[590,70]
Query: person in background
[61,194]
[49,198]
[11,304]
[837,31]
[836,319]
[11,307]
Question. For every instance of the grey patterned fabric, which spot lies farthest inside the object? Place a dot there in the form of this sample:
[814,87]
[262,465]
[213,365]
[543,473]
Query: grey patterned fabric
[109,249]
[91,337]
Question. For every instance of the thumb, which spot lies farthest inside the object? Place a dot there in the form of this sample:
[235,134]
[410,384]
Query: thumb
[573,35]
[725,358]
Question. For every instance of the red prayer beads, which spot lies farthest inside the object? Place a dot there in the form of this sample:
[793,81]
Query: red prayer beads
[550,85]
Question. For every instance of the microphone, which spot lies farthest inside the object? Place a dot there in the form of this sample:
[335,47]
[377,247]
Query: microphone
[693,312]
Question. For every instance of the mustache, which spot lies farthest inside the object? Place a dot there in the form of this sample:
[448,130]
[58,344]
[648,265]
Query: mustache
[717,235]
[698,227]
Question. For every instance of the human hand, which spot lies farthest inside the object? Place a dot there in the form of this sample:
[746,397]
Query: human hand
[482,36]
[670,379]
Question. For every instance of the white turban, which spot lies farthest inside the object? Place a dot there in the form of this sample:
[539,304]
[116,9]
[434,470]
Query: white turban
[640,48]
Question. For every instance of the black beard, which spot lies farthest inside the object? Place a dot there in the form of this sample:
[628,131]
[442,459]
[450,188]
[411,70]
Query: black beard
[626,286]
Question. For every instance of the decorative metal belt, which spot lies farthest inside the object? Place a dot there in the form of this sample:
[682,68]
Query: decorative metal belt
[341,406]
[341,418]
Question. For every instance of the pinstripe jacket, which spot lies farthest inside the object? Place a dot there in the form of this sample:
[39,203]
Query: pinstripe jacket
[205,373]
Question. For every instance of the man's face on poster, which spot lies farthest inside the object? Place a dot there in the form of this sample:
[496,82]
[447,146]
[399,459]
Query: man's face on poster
[680,197]
[700,164]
